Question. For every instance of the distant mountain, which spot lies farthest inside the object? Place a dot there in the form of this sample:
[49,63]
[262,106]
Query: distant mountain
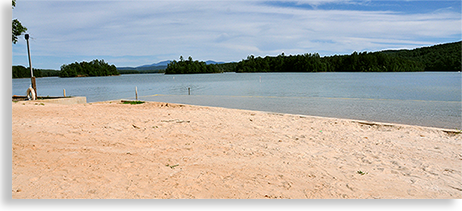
[213,62]
[150,68]
[147,66]
[153,68]
[162,63]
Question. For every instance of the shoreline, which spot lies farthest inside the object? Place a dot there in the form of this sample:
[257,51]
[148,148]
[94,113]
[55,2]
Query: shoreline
[166,150]
[364,121]
[406,112]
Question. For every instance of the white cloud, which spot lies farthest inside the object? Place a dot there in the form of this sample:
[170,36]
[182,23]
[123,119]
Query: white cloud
[219,30]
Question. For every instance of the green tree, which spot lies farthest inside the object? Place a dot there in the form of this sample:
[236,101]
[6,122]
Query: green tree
[93,68]
[17,27]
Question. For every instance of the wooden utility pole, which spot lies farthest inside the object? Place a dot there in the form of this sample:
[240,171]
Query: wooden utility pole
[32,78]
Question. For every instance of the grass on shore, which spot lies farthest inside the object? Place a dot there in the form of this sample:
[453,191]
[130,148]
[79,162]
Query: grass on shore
[132,102]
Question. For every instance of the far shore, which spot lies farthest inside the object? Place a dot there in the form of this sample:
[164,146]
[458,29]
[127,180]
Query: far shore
[164,150]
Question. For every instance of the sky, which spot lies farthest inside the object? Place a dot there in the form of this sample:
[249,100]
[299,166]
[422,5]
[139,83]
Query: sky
[134,33]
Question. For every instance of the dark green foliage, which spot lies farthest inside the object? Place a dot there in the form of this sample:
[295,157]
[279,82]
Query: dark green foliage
[16,27]
[23,72]
[48,73]
[445,57]
[132,102]
[83,69]
[227,67]
[190,67]
[362,62]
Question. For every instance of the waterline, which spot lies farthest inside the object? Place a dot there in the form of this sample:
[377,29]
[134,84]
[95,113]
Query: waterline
[314,98]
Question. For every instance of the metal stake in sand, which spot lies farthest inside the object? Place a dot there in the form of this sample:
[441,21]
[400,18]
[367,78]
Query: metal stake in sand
[32,78]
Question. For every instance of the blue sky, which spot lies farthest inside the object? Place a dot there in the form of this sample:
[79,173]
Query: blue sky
[408,7]
[134,33]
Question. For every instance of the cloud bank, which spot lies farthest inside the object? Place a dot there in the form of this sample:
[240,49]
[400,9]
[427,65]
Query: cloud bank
[133,33]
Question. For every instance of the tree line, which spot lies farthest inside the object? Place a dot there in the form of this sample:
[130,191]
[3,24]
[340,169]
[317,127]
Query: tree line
[20,71]
[83,69]
[356,62]
[190,67]
[445,57]
[76,69]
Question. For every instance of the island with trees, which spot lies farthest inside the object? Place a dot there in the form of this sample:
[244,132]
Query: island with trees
[76,69]
[84,69]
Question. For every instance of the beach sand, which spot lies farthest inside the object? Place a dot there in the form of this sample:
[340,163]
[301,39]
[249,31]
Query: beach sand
[158,150]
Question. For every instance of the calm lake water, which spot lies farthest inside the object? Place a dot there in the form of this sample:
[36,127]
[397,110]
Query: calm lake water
[423,98]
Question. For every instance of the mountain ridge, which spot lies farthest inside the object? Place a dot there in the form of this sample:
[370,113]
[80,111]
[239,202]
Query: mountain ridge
[159,65]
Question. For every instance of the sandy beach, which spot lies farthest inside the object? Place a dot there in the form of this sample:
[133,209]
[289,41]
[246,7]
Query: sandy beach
[156,150]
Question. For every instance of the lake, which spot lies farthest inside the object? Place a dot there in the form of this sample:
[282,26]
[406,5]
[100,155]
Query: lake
[416,98]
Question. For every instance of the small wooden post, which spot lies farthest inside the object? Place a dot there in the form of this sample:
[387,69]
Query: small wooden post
[136,93]
[189,90]
[64,92]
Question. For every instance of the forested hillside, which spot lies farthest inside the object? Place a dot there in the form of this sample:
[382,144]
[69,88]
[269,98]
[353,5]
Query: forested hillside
[445,57]
[356,62]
